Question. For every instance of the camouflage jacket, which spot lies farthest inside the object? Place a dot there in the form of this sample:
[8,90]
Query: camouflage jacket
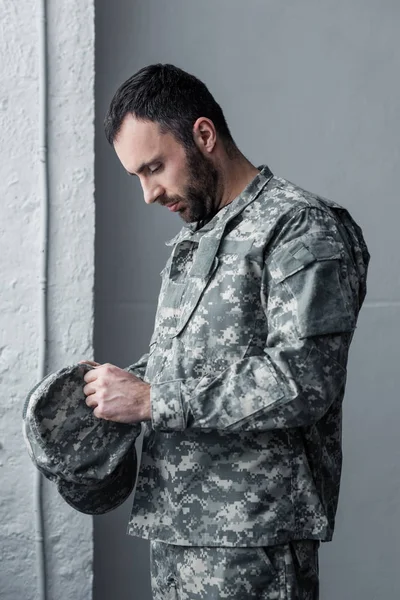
[247,366]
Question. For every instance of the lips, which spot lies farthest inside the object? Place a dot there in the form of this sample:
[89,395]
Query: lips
[173,207]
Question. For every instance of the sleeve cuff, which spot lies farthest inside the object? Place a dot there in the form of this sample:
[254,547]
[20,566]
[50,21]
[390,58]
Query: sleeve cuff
[167,412]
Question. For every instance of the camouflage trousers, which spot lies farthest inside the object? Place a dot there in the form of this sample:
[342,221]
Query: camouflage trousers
[284,572]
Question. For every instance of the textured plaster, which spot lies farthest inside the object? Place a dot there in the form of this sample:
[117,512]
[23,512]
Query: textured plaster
[71,274]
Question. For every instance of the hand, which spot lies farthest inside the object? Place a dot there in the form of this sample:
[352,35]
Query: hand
[116,395]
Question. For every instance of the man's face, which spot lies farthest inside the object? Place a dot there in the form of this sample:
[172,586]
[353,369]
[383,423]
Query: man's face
[187,182]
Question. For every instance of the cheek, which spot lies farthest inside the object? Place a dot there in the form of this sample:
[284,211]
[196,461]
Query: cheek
[175,183]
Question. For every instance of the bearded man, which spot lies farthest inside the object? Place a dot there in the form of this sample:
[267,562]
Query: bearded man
[240,394]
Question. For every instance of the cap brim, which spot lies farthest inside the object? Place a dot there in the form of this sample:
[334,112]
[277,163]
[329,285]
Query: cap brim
[113,491]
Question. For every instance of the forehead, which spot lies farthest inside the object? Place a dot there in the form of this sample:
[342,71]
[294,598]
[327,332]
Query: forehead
[141,141]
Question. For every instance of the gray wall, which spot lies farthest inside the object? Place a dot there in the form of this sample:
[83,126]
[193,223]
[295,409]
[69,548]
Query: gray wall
[312,89]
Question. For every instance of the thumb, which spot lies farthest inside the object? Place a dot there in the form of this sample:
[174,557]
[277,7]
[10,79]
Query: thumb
[90,362]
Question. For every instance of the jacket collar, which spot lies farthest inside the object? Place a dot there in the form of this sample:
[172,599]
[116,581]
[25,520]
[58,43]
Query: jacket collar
[218,223]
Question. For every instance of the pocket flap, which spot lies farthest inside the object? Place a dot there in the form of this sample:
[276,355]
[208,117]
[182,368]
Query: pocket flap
[298,254]
[238,247]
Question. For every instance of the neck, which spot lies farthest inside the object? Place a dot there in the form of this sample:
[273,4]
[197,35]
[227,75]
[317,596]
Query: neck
[236,174]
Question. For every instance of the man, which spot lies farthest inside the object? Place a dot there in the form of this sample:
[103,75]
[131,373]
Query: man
[241,391]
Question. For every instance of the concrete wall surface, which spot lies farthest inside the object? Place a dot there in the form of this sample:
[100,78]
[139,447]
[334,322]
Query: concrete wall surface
[68,535]
[312,89]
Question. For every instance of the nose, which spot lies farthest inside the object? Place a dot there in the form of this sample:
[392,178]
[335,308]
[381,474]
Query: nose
[151,192]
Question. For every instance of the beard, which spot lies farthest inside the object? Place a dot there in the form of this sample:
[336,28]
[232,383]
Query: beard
[200,199]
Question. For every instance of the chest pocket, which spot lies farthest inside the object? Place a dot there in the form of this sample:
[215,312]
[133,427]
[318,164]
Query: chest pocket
[185,278]
[210,256]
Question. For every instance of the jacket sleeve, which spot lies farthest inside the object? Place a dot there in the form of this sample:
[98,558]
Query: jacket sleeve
[308,293]
[139,367]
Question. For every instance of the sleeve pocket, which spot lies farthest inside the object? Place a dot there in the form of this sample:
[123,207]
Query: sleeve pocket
[314,270]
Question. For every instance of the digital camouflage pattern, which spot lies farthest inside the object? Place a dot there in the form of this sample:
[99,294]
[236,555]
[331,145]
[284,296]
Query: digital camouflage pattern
[289,572]
[247,366]
[92,461]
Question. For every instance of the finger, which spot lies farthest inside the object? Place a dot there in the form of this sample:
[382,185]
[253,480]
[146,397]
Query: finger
[90,376]
[88,390]
[91,402]
[97,414]
[92,363]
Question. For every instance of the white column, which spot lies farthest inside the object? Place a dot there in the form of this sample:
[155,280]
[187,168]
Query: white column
[68,540]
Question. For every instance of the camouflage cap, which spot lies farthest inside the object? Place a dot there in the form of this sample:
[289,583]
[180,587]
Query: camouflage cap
[92,461]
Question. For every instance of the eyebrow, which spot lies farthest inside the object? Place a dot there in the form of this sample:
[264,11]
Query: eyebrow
[144,165]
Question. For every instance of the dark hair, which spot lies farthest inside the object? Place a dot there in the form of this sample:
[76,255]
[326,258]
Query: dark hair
[169,96]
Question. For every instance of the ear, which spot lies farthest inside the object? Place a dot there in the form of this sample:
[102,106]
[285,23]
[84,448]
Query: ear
[204,135]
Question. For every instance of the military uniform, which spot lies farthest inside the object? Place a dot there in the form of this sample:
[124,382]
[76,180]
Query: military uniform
[284,572]
[247,366]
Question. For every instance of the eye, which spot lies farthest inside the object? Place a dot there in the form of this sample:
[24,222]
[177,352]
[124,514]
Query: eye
[155,169]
